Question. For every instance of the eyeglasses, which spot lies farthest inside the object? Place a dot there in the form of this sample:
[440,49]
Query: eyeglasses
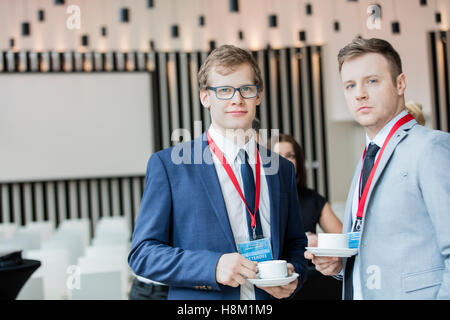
[227,92]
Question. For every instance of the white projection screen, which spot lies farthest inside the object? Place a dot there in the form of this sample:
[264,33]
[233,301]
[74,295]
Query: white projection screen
[81,125]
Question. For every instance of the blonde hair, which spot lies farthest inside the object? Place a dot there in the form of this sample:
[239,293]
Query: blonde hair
[415,109]
[227,58]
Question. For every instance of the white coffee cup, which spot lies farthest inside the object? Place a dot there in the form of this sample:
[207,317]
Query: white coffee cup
[272,269]
[332,240]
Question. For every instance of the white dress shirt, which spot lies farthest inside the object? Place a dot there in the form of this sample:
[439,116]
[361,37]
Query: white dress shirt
[237,212]
[379,141]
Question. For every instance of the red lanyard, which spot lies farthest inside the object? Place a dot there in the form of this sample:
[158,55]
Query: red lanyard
[362,200]
[233,179]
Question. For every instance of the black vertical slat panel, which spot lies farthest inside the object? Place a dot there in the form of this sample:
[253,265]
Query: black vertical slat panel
[284,105]
[435,80]
[189,89]
[184,93]
[99,197]
[11,204]
[23,219]
[1,206]
[90,211]
[164,100]
[156,100]
[276,90]
[196,105]
[33,203]
[120,195]
[57,201]
[295,90]
[446,88]
[173,91]
[78,199]
[110,197]
[178,82]
[262,109]
[268,84]
[45,201]
[134,210]
[323,122]
[312,114]
[67,196]
[289,92]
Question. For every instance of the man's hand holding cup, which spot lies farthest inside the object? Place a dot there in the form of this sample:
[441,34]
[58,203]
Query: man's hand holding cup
[328,266]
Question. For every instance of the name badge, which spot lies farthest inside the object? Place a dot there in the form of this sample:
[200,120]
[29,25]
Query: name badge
[256,250]
[353,240]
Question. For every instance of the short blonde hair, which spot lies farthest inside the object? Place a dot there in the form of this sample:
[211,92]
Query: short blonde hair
[227,58]
[415,109]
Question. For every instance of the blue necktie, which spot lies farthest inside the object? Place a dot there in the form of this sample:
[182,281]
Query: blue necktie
[248,180]
[369,160]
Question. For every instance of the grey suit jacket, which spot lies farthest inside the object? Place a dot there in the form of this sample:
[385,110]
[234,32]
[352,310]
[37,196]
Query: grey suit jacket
[405,241]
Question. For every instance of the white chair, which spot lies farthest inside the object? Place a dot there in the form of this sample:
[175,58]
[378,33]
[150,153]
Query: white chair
[120,250]
[110,240]
[82,226]
[69,240]
[99,285]
[45,228]
[22,239]
[106,262]
[53,271]
[100,278]
[107,226]
[7,230]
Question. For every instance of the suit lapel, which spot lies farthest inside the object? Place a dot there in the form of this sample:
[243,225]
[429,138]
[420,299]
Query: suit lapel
[349,204]
[208,176]
[273,184]
[401,133]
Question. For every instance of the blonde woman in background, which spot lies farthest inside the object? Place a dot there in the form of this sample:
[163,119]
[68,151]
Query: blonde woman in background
[415,109]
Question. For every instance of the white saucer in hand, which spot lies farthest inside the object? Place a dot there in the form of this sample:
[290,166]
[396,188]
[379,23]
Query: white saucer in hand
[273,282]
[334,252]
[332,245]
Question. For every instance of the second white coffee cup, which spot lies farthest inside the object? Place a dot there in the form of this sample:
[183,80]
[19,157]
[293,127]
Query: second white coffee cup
[332,240]
[272,269]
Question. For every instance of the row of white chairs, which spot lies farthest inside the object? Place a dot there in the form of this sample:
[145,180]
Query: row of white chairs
[72,265]
[104,271]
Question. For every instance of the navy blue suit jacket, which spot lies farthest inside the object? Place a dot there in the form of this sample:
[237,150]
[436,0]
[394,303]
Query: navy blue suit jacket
[182,228]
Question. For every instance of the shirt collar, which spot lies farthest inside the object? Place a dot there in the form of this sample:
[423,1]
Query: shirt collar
[230,149]
[384,132]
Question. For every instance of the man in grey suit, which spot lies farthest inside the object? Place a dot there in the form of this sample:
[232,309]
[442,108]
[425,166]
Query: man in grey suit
[399,199]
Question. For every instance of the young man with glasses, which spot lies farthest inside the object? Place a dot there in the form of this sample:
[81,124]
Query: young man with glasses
[199,222]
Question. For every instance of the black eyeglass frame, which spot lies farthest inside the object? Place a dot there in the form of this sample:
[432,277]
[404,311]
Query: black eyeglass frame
[234,91]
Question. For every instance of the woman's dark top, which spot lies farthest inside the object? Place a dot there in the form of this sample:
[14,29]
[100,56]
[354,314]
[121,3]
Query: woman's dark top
[311,204]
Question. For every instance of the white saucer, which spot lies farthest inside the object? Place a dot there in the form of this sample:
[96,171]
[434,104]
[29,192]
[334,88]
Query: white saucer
[324,252]
[273,282]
